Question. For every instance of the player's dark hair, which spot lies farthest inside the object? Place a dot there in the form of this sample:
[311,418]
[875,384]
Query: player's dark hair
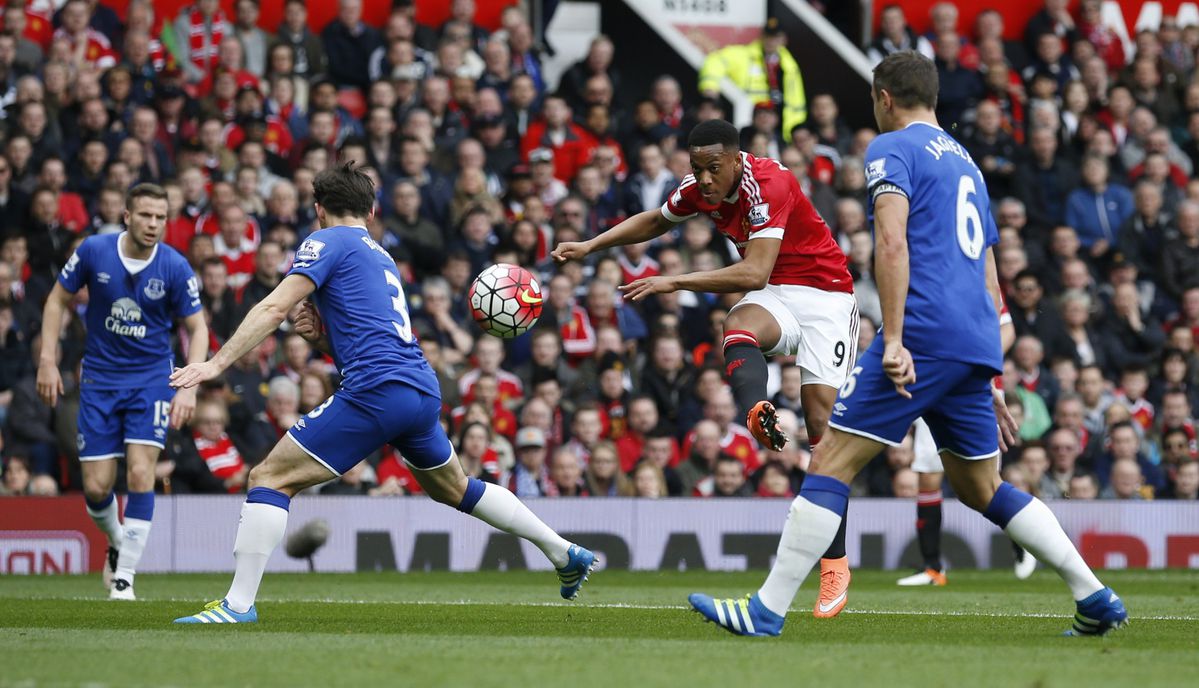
[714,132]
[909,77]
[145,191]
[345,191]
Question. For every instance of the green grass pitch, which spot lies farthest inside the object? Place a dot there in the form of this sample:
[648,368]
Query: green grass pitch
[628,629]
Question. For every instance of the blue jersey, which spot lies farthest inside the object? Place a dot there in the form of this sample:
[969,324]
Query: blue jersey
[361,300]
[129,314]
[949,314]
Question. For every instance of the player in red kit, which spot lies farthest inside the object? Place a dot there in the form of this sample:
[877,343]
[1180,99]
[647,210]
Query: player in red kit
[798,291]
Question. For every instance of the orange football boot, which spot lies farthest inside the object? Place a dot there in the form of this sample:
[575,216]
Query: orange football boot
[834,588]
[763,424]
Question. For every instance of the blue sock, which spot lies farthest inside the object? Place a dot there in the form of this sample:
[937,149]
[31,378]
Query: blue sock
[140,505]
[830,493]
[265,495]
[100,505]
[474,492]
[1007,502]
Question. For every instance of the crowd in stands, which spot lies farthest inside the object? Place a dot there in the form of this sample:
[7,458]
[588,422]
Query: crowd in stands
[1090,154]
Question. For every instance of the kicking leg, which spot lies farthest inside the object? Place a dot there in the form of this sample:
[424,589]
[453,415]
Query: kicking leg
[749,330]
[501,509]
[1033,526]
[817,400]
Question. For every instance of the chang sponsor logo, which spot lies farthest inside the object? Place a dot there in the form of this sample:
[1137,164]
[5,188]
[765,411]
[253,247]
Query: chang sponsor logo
[125,319]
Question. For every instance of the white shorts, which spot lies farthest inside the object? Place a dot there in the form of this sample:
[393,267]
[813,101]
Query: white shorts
[819,328]
[925,459]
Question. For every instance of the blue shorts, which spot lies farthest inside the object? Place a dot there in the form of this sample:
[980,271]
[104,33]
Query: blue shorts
[109,419]
[342,431]
[953,397]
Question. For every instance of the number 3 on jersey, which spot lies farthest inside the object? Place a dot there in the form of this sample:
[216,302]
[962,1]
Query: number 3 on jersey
[969,222]
[404,326]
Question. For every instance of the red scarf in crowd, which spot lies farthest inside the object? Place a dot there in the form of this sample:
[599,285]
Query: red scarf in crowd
[204,55]
[223,459]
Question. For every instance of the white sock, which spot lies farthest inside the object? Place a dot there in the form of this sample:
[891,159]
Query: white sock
[108,521]
[501,509]
[809,531]
[258,534]
[133,543]
[1037,530]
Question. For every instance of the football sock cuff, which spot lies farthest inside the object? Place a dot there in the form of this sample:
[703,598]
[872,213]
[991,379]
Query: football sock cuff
[830,493]
[140,505]
[1007,502]
[474,492]
[265,495]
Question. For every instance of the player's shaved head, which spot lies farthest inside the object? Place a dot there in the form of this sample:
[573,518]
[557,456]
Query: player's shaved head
[714,132]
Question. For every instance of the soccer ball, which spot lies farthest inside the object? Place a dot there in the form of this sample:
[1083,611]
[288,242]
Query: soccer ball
[505,300]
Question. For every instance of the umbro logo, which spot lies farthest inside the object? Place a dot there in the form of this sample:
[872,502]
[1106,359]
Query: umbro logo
[839,408]
[301,424]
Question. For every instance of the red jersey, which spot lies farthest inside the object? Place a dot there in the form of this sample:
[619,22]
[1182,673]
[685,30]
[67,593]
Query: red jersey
[97,51]
[510,387]
[768,204]
[737,443]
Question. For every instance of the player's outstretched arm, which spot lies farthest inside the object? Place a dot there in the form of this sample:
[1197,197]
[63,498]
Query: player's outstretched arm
[891,274]
[749,274]
[49,379]
[262,320]
[641,227]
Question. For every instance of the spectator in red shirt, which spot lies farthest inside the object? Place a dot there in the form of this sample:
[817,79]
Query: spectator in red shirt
[72,213]
[489,356]
[735,440]
[87,48]
[234,246]
[485,391]
[1108,45]
[642,420]
[556,132]
[230,60]
[216,448]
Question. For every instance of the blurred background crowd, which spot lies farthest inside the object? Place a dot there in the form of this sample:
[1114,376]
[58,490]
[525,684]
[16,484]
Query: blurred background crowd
[1090,153]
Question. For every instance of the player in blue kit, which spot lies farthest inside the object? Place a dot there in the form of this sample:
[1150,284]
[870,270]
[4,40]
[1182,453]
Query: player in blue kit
[136,288]
[388,394]
[940,300]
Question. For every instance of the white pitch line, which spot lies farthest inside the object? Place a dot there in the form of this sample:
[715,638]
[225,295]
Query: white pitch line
[625,605]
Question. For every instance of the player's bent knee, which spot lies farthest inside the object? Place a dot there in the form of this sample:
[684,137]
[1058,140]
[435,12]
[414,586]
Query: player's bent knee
[447,490]
[141,477]
[95,489]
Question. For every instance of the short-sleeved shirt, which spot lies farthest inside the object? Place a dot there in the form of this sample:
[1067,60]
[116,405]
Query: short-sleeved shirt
[768,203]
[361,300]
[949,313]
[129,314]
